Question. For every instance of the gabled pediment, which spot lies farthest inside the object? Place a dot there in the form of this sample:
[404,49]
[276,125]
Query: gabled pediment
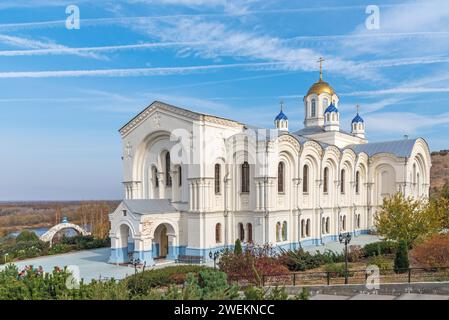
[165,108]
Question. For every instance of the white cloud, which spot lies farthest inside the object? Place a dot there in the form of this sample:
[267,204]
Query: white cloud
[410,29]
[38,45]
[60,50]
[134,72]
[404,122]
[370,107]
[396,90]
[221,41]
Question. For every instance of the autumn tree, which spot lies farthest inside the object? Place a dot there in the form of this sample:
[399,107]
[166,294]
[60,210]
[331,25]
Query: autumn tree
[407,219]
[444,192]
[440,207]
[432,253]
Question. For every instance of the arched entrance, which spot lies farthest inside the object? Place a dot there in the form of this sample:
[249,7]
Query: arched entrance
[125,243]
[164,242]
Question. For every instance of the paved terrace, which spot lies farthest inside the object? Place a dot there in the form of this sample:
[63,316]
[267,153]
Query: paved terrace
[93,263]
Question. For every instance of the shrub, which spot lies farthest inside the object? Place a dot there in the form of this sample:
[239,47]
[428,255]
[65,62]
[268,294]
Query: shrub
[251,265]
[59,248]
[23,250]
[380,248]
[433,253]
[355,253]
[238,247]
[382,263]
[300,260]
[26,236]
[213,285]
[277,293]
[335,269]
[303,295]
[140,283]
[401,263]
[85,242]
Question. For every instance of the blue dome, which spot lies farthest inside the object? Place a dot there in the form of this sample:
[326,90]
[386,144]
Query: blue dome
[357,118]
[331,108]
[281,116]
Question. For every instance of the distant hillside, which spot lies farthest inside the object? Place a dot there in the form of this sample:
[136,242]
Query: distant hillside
[439,173]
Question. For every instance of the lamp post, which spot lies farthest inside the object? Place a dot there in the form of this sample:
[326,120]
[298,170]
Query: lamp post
[346,238]
[6,256]
[214,256]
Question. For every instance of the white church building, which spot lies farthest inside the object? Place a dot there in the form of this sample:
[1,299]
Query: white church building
[194,183]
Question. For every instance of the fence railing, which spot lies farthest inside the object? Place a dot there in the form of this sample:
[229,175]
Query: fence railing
[359,276]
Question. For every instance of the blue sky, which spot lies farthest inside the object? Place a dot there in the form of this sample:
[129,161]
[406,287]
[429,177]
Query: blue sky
[65,93]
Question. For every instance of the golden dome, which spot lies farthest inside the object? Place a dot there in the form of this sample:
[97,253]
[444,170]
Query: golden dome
[321,87]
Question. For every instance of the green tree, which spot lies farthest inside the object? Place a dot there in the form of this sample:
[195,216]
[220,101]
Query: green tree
[238,247]
[407,219]
[27,235]
[440,207]
[401,262]
[444,192]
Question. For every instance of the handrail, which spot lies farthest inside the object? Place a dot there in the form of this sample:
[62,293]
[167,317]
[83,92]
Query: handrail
[327,276]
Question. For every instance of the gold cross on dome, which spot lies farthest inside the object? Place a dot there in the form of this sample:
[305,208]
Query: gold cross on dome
[357,107]
[320,60]
[281,103]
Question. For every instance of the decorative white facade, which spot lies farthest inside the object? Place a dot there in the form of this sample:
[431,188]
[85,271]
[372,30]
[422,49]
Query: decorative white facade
[194,183]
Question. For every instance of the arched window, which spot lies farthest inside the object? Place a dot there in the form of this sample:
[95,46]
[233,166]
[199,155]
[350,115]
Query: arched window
[303,232]
[167,170]
[328,117]
[308,228]
[249,228]
[218,233]
[278,231]
[344,223]
[180,175]
[305,179]
[241,232]
[281,177]
[323,225]
[327,224]
[284,231]
[414,173]
[155,178]
[360,126]
[342,181]
[326,180]
[325,103]
[313,108]
[245,177]
[217,178]
[357,182]
[333,116]
[417,182]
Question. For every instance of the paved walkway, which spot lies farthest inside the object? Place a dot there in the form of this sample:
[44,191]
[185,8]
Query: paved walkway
[336,246]
[92,264]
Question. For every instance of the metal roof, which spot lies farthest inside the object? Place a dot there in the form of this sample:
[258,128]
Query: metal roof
[149,206]
[331,108]
[357,118]
[281,116]
[399,148]
[314,130]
